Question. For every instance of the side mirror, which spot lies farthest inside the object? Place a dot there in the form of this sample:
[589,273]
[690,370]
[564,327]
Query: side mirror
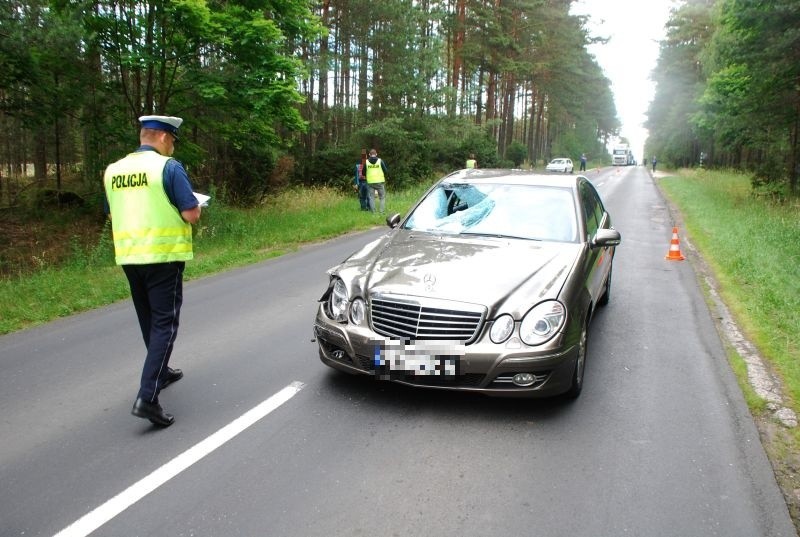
[393,220]
[606,237]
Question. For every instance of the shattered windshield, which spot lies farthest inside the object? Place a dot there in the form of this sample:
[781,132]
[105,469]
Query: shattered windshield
[518,211]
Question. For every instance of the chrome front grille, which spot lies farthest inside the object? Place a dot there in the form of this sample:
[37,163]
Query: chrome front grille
[407,318]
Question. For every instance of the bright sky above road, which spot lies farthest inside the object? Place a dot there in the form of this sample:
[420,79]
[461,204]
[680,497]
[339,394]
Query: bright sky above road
[634,28]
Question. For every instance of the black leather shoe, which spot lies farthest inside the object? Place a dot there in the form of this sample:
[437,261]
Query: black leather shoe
[152,412]
[173,375]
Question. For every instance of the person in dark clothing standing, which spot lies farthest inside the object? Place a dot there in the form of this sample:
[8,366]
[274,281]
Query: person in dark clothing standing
[360,184]
[152,208]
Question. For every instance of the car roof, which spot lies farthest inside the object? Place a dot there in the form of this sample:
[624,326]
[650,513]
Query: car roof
[518,177]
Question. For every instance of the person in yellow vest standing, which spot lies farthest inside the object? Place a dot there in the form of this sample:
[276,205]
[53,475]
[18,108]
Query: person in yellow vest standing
[471,162]
[152,208]
[376,180]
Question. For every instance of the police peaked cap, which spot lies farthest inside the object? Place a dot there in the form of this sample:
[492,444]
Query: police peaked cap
[162,123]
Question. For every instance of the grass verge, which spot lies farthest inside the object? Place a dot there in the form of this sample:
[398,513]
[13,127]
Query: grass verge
[226,237]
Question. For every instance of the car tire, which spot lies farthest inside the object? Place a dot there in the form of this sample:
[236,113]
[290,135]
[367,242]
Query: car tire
[580,365]
[607,291]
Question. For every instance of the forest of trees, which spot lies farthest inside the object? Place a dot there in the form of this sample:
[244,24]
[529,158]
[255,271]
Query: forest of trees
[277,92]
[728,90]
[286,92]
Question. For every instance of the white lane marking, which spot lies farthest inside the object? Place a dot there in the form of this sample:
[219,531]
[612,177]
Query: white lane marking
[99,516]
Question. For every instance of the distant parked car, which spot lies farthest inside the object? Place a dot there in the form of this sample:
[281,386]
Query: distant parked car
[488,286]
[563,165]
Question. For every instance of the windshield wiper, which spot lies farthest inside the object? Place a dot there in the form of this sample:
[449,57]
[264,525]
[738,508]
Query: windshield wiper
[498,235]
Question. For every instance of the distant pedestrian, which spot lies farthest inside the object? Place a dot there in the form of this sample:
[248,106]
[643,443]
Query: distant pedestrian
[654,163]
[376,180]
[583,162]
[471,162]
[360,184]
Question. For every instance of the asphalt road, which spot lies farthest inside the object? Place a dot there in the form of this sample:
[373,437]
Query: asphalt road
[660,443]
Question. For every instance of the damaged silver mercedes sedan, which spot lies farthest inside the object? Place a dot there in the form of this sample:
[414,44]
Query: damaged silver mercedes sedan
[488,285]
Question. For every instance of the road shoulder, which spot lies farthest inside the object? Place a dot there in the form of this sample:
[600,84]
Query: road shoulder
[777,425]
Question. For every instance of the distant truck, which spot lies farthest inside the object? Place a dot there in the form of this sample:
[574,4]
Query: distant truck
[622,156]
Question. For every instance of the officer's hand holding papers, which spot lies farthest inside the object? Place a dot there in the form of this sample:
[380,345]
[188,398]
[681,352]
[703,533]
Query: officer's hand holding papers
[202,199]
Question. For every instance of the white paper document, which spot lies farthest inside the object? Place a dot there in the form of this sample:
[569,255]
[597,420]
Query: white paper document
[202,199]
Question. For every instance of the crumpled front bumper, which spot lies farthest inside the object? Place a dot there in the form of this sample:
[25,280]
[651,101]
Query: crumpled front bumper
[483,366]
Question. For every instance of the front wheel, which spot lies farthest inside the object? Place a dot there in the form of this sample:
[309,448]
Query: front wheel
[580,366]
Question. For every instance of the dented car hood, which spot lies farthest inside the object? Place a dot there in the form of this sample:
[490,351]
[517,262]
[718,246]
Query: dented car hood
[482,270]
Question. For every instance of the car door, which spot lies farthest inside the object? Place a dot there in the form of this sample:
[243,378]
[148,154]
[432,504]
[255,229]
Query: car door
[598,260]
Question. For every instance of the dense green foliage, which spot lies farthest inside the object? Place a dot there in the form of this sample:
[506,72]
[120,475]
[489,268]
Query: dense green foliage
[727,90]
[276,93]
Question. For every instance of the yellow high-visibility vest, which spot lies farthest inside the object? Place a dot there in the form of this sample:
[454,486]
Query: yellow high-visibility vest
[147,228]
[375,172]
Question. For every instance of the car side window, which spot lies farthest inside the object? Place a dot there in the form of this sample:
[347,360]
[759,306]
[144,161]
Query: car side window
[592,208]
[599,211]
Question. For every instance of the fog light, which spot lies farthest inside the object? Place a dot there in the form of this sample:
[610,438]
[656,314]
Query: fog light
[523,379]
[338,354]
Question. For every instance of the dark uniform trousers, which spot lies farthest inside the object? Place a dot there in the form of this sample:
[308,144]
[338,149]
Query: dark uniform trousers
[363,194]
[157,293]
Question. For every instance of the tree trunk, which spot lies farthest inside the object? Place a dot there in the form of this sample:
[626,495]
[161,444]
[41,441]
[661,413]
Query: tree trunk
[324,132]
[479,97]
[40,155]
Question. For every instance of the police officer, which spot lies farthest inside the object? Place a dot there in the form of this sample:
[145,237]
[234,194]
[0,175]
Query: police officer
[152,209]
[471,162]
[376,180]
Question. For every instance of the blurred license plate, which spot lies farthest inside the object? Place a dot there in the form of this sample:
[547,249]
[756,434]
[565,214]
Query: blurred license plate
[398,359]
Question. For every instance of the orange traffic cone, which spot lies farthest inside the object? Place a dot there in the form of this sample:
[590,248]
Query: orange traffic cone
[674,248]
